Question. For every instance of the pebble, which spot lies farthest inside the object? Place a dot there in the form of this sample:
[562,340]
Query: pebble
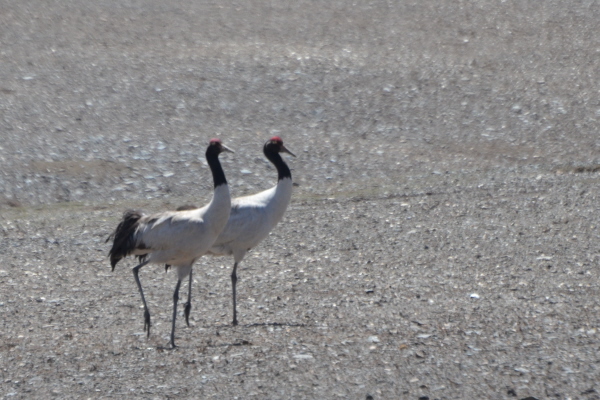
[303,356]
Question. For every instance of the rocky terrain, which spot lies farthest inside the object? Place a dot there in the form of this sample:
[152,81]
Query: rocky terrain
[442,241]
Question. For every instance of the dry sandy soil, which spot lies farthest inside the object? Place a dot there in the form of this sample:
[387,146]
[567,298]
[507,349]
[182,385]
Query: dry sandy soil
[442,241]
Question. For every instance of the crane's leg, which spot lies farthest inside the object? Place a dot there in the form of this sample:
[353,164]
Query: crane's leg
[233,283]
[188,305]
[139,285]
[175,300]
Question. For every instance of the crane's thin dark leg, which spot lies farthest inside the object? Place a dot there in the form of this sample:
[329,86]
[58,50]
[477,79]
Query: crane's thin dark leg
[146,312]
[233,283]
[175,300]
[188,305]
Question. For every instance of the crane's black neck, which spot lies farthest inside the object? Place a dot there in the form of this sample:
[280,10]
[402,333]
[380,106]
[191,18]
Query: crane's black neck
[272,155]
[212,157]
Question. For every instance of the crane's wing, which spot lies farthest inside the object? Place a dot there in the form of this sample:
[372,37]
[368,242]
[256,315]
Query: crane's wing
[171,229]
[244,224]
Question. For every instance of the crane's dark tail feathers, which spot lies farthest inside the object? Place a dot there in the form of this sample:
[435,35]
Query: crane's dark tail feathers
[124,237]
[186,207]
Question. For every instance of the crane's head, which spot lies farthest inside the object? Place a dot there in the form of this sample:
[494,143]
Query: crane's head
[216,146]
[276,144]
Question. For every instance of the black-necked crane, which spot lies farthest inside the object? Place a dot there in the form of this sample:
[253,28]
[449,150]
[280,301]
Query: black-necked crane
[253,217]
[177,238]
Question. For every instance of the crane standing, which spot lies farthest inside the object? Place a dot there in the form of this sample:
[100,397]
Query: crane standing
[253,217]
[177,238]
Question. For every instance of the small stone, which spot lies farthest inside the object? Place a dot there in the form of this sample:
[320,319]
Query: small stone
[303,356]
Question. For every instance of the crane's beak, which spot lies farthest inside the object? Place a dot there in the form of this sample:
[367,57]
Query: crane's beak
[225,148]
[284,150]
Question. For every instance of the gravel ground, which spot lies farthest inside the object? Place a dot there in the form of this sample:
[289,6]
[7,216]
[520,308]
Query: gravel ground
[442,238]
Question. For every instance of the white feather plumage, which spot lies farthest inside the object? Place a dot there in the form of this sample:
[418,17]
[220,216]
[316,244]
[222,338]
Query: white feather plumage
[179,238]
[251,220]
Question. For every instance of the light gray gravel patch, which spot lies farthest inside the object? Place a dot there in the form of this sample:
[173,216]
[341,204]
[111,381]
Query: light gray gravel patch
[326,316]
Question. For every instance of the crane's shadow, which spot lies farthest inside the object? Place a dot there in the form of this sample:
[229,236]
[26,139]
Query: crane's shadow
[240,342]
